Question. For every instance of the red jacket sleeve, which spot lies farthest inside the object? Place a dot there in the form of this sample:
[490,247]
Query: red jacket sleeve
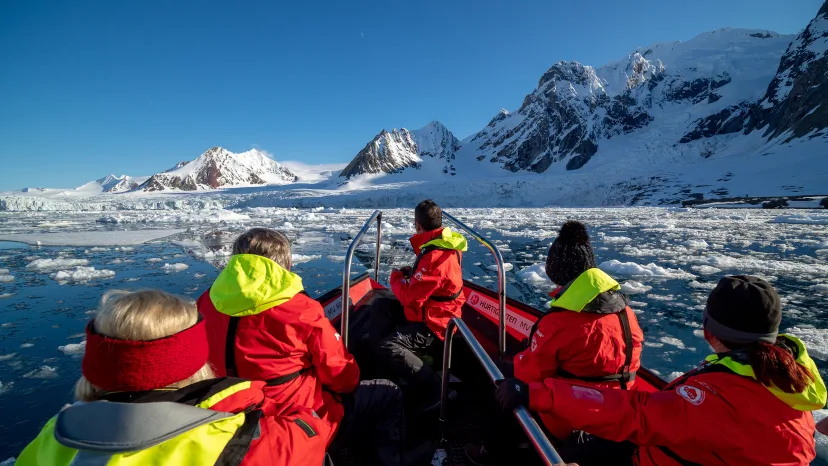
[680,416]
[415,291]
[297,437]
[335,366]
[540,360]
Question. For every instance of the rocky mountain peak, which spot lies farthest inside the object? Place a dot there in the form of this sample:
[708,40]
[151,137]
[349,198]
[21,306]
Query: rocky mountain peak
[219,168]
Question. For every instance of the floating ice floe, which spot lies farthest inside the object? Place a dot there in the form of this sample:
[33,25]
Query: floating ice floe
[48,265]
[706,269]
[802,219]
[27,345]
[6,357]
[173,268]
[45,372]
[336,258]
[90,238]
[535,275]
[73,348]
[649,270]
[300,258]
[753,265]
[5,278]
[616,239]
[6,295]
[81,274]
[820,288]
[702,286]
[815,339]
[5,388]
[506,267]
[153,260]
[672,341]
[199,275]
[634,287]
[696,244]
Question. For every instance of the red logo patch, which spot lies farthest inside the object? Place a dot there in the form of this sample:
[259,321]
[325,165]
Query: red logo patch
[474,299]
[690,393]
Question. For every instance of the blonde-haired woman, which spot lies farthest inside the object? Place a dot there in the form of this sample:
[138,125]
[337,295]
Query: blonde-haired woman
[148,396]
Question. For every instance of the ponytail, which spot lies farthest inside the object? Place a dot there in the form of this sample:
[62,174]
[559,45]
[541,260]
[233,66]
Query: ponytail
[775,365]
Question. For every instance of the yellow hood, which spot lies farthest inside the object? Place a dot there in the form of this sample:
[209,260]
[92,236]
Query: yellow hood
[812,398]
[251,284]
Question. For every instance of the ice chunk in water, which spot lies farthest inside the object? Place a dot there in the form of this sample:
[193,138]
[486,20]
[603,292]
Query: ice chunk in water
[649,270]
[81,274]
[47,265]
[535,275]
[154,259]
[173,268]
[6,278]
[73,348]
[45,372]
[815,339]
[634,287]
[506,267]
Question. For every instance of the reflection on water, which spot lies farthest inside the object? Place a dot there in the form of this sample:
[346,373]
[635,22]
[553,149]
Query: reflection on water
[39,315]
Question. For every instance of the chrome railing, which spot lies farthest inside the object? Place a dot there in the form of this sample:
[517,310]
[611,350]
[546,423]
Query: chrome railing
[539,441]
[346,273]
[501,282]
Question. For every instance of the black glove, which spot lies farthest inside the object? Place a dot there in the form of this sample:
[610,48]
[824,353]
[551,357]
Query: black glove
[406,271]
[512,393]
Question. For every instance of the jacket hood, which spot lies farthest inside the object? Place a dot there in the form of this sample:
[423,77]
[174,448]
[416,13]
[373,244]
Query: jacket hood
[443,238]
[812,398]
[251,284]
[593,291]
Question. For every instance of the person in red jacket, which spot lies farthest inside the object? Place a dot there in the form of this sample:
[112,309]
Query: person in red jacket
[261,325]
[149,396]
[589,334]
[748,403]
[430,293]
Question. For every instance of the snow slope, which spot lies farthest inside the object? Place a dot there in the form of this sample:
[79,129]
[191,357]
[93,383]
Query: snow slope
[113,184]
[218,168]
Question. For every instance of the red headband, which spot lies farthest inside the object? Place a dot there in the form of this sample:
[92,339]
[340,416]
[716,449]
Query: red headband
[132,366]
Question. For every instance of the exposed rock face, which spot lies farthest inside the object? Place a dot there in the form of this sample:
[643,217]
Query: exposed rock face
[218,168]
[388,152]
[793,104]
[394,151]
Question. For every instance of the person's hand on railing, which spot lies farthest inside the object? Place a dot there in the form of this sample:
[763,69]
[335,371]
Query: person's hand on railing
[512,393]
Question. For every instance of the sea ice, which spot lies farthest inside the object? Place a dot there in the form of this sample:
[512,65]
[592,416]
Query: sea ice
[301,258]
[6,357]
[90,238]
[815,339]
[45,372]
[81,274]
[48,265]
[199,275]
[820,288]
[172,268]
[706,269]
[73,348]
[672,341]
[27,345]
[506,267]
[649,270]
[6,278]
[535,275]
[154,260]
[634,287]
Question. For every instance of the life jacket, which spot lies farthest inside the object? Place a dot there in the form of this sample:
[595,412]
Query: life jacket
[736,362]
[261,325]
[433,294]
[148,430]
[595,292]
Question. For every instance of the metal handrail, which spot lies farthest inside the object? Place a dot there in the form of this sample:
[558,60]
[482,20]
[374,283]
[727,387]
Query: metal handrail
[539,441]
[346,273]
[501,282]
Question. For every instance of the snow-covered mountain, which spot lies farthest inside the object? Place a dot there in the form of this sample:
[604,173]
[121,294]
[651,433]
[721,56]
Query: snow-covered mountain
[220,168]
[576,109]
[394,151]
[113,184]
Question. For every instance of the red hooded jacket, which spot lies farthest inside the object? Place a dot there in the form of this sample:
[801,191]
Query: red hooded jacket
[436,278]
[582,337]
[715,415]
[281,336]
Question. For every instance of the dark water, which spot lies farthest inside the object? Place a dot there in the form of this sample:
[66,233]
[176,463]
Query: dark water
[38,314]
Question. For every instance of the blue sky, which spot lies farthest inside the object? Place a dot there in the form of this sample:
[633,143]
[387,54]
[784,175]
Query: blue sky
[95,87]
